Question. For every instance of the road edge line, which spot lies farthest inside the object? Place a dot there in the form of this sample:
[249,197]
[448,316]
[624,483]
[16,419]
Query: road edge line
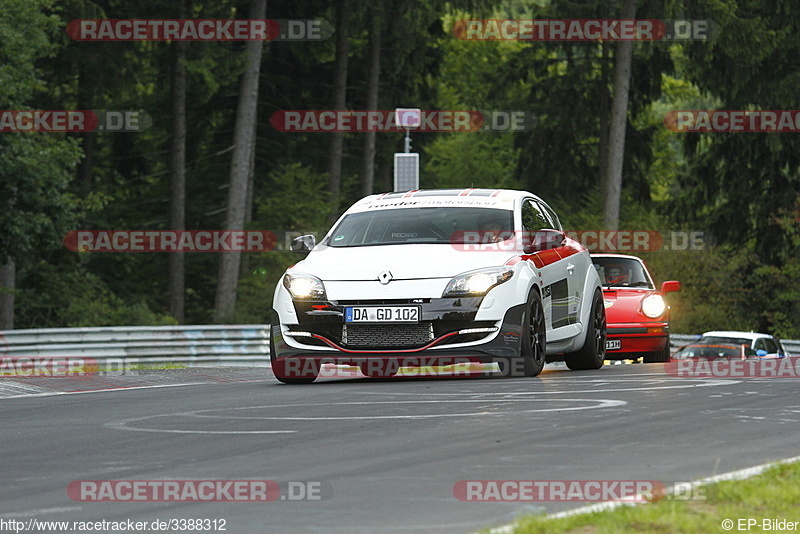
[740,474]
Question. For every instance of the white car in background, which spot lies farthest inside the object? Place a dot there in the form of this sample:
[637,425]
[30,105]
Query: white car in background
[436,277]
[755,345]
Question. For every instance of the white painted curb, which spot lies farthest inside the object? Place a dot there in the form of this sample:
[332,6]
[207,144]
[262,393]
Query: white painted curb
[741,474]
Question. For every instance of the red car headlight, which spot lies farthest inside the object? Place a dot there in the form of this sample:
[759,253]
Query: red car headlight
[654,306]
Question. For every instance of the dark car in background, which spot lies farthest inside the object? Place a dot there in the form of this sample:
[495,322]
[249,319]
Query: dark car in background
[747,345]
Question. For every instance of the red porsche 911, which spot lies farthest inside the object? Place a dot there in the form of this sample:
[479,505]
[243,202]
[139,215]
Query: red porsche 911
[636,313]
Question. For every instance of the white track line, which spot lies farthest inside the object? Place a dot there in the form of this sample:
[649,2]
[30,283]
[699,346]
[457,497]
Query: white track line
[41,511]
[84,392]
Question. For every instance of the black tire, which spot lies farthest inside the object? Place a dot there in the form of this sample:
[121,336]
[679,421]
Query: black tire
[533,343]
[279,366]
[593,352]
[293,377]
[658,357]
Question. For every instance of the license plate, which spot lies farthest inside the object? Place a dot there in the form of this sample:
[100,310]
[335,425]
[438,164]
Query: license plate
[381,314]
[613,344]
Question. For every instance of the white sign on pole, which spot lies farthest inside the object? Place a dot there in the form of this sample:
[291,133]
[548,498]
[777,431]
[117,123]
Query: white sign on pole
[408,118]
[406,172]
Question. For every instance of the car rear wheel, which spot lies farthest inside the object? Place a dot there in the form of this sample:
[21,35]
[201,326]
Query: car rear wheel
[593,352]
[533,342]
[658,357]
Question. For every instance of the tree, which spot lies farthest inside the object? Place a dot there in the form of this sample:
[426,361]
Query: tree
[373,86]
[740,184]
[619,121]
[177,174]
[336,150]
[35,168]
[244,144]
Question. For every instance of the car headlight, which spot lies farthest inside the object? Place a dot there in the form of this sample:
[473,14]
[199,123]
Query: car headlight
[477,283]
[654,306]
[304,286]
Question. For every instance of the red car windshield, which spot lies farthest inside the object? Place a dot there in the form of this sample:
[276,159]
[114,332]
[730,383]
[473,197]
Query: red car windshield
[622,272]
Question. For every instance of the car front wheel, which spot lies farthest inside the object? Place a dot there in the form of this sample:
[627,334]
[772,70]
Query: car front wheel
[296,372]
[593,352]
[532,344]
[660,356]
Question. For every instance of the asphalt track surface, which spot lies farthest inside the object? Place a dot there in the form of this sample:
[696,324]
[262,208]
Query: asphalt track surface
[386,454]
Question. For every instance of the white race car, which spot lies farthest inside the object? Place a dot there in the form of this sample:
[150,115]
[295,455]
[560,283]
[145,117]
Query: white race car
[439,277]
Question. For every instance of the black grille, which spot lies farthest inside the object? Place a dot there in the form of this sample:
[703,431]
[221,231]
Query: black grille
[387,336]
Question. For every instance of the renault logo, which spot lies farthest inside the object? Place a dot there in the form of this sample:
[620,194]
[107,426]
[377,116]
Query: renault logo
[385,277]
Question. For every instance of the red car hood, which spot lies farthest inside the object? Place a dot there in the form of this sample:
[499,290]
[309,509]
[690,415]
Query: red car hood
[624,305]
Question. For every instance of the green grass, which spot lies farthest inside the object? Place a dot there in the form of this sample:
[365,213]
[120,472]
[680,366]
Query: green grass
[774,494]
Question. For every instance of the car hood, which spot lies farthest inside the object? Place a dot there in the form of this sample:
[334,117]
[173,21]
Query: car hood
[405,262]
[623,305]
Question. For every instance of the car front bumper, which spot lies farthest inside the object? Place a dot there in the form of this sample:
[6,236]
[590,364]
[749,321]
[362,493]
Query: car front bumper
[635,339]
[447,333]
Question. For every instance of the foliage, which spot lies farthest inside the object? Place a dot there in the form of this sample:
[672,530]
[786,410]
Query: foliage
[71,296]
[744,189]
[291,185]
[471,160]
[106,309]
[740,182]
[34,176]
[35,169]
[297,186]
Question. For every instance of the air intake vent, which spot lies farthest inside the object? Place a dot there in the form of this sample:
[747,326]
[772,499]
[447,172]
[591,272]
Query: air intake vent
[387,336]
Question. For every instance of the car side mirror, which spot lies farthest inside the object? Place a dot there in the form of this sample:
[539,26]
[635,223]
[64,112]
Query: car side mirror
[670,286]
[544,240]
[761,353]
[303,244]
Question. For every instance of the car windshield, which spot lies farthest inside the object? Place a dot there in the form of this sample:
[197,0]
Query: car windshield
[421,225]
[623,272]
[709,351]
[712,340]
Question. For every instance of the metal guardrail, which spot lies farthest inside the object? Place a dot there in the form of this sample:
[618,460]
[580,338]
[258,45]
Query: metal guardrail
[224,344]
[206,344]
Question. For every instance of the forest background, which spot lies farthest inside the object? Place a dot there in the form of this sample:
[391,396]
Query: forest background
[741,190]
